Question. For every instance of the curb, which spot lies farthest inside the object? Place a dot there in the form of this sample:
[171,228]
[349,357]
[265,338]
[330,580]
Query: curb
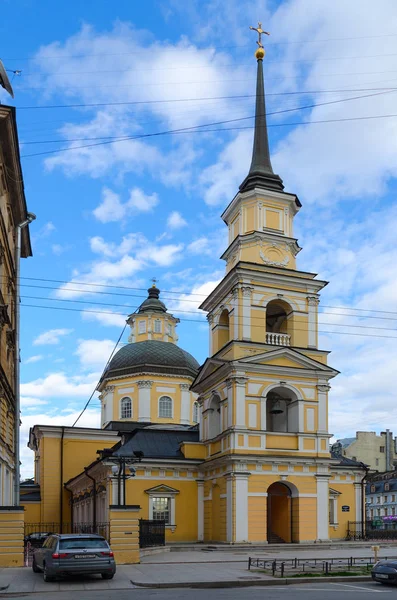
[251,583]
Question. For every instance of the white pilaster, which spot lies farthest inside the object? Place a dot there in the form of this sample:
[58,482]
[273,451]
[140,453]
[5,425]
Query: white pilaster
[240,384]
[144,388]
[322,507]
[322,390]
[229,383]
[185,403]
[235,313]
[200,510]
[241,504]
[229,508]
[263,414]
[246,316]
[210,320]
[312,302]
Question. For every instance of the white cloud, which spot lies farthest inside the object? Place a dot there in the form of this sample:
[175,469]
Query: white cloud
[94,353]
[105,317]
[175,220]
[28,403]
[59,249]
[191,302]
[33,359]
[142,202]
[111,208]
[52,336]
[199,246]
[58,385]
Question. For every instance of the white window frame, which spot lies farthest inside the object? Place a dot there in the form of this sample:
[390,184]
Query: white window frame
[121,407]
[169,495]
[157,326]
[333,499]
[172,408]
[196,412]
[141,327]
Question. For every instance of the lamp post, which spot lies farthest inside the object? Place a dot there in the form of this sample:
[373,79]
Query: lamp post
[123,469]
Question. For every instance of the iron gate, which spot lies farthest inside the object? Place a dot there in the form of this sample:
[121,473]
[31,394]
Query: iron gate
[376,530]
[151,533]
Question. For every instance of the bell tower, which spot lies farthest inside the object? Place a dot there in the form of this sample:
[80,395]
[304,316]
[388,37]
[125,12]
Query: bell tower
[263,391]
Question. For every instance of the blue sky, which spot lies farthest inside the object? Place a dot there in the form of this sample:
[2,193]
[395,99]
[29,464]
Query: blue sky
[118,214]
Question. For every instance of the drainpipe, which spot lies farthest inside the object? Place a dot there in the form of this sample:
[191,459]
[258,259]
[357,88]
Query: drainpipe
[93,496]
[71,507]
[17,372]
[61,485]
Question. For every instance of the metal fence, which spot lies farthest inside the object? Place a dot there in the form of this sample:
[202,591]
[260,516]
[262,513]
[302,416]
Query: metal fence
[151,533]
[371,530]
[54,527]
[298,566]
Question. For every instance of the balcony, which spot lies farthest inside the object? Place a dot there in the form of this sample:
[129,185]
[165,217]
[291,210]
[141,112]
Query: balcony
[278,339]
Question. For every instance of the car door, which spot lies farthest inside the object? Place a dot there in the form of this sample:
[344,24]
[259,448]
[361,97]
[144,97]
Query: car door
[39,553]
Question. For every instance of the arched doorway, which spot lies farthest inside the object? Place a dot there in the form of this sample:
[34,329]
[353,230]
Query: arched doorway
[281,503]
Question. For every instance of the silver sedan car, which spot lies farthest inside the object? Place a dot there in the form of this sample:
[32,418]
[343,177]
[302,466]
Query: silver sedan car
[69,554]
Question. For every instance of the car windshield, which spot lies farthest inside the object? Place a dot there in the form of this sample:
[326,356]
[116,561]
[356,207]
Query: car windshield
[79,543]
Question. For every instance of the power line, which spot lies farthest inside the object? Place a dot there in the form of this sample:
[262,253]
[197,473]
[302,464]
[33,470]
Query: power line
[109,359]
[175,292]
[201,321]
[323,312]
[195,127]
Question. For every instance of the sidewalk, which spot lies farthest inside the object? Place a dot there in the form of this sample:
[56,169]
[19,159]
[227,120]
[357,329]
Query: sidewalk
[201,568]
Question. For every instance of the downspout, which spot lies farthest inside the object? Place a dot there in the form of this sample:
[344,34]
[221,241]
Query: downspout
[93,496]
[71,507]
[17,371]
[61,485]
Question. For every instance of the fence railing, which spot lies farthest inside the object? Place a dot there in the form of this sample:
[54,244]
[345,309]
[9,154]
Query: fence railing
[371,530]
[297,566]
[151,533]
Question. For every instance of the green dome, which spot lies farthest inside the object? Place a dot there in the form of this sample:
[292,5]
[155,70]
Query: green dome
[151,356]
[152,302]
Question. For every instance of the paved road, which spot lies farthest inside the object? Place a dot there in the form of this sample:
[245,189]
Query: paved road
[315,591]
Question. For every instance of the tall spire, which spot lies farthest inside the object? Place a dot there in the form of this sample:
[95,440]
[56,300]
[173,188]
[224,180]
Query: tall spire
[261,172]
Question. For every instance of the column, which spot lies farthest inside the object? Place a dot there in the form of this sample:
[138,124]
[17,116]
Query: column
[359,503]
[11,536]
[263,414]
[186,418]
[200,510]
[235,313]
[229,508]
[144,388]
[239,386]
[210,319]
[124,534]
[322,391]
[322,507]
[229,384]
[312,302]
[241,504]
[246,312]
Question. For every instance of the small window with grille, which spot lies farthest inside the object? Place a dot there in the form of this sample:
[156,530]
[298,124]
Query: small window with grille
[125,408]
[165,407]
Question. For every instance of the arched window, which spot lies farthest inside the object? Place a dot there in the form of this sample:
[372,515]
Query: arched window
[165,407]
[223,328]
[125,408]
[195,412]
[277,330]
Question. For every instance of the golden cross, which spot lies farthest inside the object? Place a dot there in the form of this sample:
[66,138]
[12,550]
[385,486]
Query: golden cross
[154,281]
[260,31]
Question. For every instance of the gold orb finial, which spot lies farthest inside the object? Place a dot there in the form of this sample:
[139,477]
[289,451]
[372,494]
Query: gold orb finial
[260,54]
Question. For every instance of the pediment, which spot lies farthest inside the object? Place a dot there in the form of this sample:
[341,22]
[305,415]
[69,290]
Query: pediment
[161,489]
[209,367]
[287,357]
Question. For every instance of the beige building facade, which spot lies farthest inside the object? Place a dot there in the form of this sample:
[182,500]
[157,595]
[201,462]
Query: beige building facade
[378,452]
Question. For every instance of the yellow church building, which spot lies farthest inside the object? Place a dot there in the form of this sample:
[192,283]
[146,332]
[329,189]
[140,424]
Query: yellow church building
[234,451]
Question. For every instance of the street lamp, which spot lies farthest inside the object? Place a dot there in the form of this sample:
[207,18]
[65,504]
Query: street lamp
[122,468]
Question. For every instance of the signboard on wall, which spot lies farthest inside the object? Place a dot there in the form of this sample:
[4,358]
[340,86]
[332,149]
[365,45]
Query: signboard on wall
[345,508]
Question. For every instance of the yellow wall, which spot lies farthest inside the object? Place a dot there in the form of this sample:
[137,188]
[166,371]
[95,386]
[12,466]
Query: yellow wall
[32,511]
[11,538]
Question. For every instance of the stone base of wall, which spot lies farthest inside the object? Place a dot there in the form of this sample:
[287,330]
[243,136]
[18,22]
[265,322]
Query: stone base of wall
[11,536]
[124,534]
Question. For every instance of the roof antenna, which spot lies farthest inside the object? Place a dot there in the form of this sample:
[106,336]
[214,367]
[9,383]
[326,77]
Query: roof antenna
[4,81]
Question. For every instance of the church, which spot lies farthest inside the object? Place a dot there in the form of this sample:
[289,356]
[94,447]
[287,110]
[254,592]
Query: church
[235,450]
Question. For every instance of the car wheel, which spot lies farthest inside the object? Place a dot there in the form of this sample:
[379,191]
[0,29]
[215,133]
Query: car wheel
[107,575]
[35,568]
[46,577]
